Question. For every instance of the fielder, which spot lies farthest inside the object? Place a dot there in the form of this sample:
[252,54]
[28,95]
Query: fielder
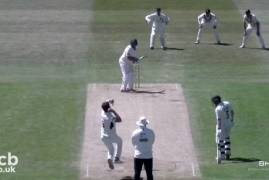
[225,122]
[109,136]
[251,23]
[142,140]
[127,60]
[158,22]
[207,19]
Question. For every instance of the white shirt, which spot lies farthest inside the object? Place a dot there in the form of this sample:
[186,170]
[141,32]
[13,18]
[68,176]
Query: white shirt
[158,22]
[108,126]
[142,140]
[224,115]
[203,18]
[128,51]
[251,21]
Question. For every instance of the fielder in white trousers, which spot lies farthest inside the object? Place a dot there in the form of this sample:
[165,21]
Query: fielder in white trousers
[207,20]
[158,22]
[251,23]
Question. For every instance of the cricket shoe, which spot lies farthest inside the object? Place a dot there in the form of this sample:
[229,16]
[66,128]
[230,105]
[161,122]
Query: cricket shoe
[227,156]
[151,47]
[218,159]
[124,90]
[131,90]
[242,46]
[110,164]
[117,160]
[164,48]
[197,42]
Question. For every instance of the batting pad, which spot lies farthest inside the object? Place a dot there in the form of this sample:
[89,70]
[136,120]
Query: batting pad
[164,106]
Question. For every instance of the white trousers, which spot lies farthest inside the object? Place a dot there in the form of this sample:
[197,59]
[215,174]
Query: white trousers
[153,37]
[223,141]
[127,71]
[249,30]
[204,25]
[225,132]
[112,143]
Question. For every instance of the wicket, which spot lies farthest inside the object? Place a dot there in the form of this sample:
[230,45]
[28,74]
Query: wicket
[137,75]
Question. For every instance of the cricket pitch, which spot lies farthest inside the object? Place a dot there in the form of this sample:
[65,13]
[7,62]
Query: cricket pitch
[164,106]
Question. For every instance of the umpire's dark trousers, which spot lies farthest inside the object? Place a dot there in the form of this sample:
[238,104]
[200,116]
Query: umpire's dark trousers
[138,164]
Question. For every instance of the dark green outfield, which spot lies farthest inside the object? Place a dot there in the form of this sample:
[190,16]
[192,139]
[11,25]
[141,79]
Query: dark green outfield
[43,80]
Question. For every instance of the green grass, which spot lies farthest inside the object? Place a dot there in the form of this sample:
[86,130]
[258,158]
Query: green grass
[41,124]
[240,76]
[42,102]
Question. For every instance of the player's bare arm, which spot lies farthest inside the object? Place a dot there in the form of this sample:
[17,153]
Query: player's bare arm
[118,118]
[232,114]
[133,59]
[258,28]
[245,27]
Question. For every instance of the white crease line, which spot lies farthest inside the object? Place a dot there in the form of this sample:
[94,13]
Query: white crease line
[193,169]
[94,85]
[87,170]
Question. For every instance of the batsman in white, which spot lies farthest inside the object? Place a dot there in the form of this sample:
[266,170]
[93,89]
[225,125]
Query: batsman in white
[158,22]
[127,60]
[109,136]
[209,20]
[225,122]
[251,23]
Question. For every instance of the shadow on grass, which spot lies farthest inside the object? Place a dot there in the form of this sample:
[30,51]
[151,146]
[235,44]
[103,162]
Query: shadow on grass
[224,44]
[243,160]
[216,44]
[255,48]
[128,178]
[170,48]
[149,92]
[175,49]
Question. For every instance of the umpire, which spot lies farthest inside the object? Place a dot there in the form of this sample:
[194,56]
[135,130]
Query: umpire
[142,140]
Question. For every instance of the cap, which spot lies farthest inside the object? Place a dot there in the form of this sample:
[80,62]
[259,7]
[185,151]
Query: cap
[133,42]
[216,99]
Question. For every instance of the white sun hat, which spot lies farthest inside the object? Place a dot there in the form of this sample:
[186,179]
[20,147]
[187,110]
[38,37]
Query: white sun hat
[142,121]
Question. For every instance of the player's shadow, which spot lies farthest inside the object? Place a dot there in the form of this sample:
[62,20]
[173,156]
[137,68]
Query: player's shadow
[255,48]
[243,160]
[129,178]
[148,92]
[171,49]
[174,49]
[223,44]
